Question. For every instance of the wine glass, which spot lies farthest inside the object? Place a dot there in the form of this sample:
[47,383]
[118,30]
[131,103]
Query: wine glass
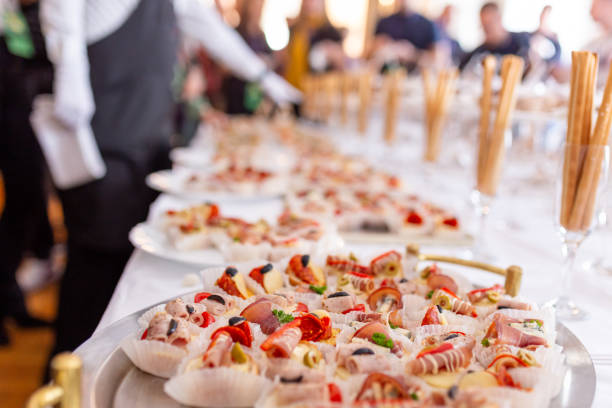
[580,183]
[482,206]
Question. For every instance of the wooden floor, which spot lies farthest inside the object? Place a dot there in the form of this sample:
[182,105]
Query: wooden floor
[22,362]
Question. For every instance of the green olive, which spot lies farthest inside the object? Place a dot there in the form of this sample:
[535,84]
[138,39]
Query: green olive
[392,268]
[493,296]
[526,357]
[312,358]
[343,280]
[444,302]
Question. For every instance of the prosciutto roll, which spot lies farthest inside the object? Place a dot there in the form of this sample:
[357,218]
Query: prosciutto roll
[454,356]
[282,343]
[452,303]
[218,304]
[361,283]
[367,363]
[177,308]
[217,351]
[165,328]
[197,313]
[339,302]
[515,332]
[507,303]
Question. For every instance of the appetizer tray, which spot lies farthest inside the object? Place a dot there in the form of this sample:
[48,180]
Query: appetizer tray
[111,380]
[460,239]
[169,182]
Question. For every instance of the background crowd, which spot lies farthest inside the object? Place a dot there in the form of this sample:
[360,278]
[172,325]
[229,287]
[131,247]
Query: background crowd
[125,78]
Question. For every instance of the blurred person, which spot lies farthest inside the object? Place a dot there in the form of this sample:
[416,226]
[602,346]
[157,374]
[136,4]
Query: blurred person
[544,50]
[498,41]
[314,43]
[443,22]
[242,97]
[25,72]
[114,62]
[406,38]
[601,11]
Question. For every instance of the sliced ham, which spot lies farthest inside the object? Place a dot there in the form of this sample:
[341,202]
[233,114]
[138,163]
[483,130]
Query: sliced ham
[367,363]
[502,330]
[407,288]
[438,280]
[260,312]
[450,360]
[339,304]
[289,369]
[216,308]
[364,317]
[456,305]
[217,351]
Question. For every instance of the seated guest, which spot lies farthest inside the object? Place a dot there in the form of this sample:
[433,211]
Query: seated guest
[407,38]
[443,22]
[498,40]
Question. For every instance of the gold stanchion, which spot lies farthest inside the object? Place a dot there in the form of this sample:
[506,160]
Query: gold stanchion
[65,389]
[365,93]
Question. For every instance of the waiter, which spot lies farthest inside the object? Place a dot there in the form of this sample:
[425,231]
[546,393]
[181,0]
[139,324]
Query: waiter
[114,62]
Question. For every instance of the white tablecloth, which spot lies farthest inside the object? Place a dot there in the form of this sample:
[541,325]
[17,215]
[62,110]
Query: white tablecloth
[521,232]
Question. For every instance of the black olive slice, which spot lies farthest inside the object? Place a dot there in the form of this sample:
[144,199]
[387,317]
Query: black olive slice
[363,351]
[503,307]
[172,327]
[439,308]
[305,260]
[231,271]
[403,280]
[338,294]
[216,298]
[451,336]
[190,309]
[267,268]
[233,321]
[452,392]
[295,380]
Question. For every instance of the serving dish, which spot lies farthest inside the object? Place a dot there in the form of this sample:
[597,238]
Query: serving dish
[111,380]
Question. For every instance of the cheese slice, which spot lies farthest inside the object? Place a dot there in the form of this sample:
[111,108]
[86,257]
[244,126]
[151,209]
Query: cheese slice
[443,379]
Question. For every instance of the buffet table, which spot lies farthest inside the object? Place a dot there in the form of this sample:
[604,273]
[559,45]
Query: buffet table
[520,232]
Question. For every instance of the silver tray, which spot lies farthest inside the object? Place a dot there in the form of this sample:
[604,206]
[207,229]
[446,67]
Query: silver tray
[111,380]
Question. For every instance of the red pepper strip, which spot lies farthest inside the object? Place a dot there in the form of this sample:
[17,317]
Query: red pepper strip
[144,335]
[326,321]
[214,211]
[311,327]
[494,287]
[360,274]
[450,292]
[358,308]
[236,333]
[457,332]
[208,319]
[301,307]
[505,380]
[414,218]
[440,349]
[516,359]
[335,395]
[200,296]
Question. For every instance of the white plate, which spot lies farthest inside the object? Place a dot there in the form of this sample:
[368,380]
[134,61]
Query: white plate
[193,158]
[145,237]
[172,182]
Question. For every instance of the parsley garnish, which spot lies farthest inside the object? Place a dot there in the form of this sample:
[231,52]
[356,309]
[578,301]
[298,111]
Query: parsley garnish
[429,294]
[485,342]
[393,326]
[382,340]
[282,316]
[414,396]
[318,289]
[236,239]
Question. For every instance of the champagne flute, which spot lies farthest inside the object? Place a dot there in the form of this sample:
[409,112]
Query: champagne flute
[575,213]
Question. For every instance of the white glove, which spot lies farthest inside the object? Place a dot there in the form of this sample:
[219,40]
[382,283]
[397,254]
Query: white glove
[279,90]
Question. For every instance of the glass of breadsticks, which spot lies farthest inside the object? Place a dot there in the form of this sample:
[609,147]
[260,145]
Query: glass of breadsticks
[492,130]
[583,173]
